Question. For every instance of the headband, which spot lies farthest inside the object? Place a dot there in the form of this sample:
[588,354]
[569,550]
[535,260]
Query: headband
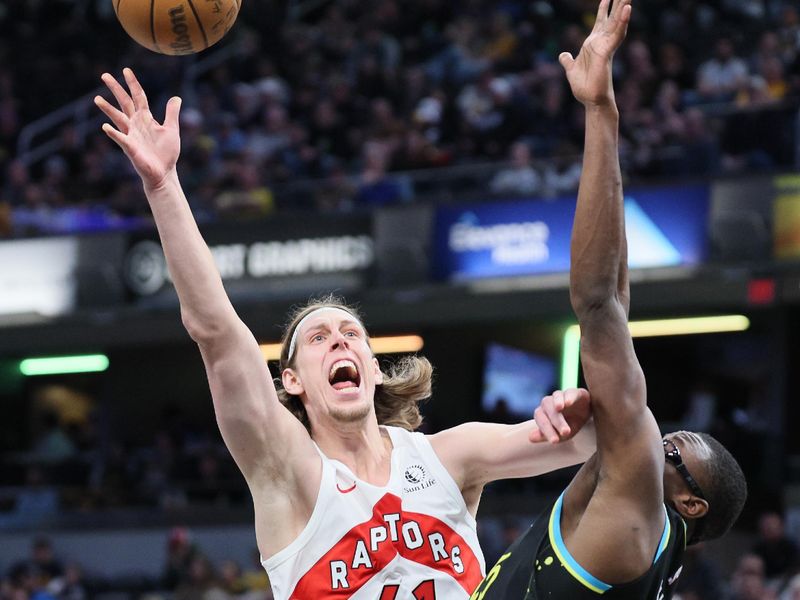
[314,312]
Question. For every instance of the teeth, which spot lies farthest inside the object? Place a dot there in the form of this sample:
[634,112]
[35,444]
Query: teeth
[339,364]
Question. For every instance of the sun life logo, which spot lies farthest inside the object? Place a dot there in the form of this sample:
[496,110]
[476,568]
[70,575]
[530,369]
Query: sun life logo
[417,476]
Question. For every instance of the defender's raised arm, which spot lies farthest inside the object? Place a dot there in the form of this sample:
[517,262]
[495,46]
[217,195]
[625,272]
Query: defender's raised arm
[629,454]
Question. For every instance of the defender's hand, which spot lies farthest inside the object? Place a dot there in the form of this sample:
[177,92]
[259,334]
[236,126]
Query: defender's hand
[589,74]
[561,415]
[152,148]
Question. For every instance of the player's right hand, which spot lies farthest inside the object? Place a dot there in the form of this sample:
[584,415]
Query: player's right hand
[152,148]
[561,415]
[589,73]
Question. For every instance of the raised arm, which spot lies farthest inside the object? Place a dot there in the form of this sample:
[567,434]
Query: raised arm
[626,430]
[255,426]
[614,517]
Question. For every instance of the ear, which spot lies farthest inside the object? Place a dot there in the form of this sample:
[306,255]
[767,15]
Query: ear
[378,372]
[291,382]
[691,506]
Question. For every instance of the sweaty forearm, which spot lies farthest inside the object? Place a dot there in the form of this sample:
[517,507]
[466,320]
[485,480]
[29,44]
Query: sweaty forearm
[598,272]
[205,307]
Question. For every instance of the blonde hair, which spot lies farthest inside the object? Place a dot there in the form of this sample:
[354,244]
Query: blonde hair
[407,382]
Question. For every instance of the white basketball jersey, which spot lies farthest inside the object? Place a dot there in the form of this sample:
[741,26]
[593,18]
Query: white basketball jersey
[411,539]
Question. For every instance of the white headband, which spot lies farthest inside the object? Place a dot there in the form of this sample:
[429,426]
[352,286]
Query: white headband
[314,312]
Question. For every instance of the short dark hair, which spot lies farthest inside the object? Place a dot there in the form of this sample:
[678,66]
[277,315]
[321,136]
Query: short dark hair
[725,488]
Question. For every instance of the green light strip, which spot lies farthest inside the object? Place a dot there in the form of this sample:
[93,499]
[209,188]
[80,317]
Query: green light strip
[57,365]
[571,346]
[570,357]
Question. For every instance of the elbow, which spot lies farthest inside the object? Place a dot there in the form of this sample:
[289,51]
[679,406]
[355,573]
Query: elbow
[206,331]
[200,332]
[587,300]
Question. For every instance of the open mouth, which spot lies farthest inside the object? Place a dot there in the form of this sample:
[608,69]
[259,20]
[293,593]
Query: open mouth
[344,375]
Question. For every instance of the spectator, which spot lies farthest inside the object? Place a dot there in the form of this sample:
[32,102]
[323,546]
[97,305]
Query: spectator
[720,77]
[34,504]
[563,172]
[698,148]
[200,582]
[231,580]
[376,188]
[778,551]
[181,553]
[256,581]
[246,195]
[335,193]
[748,581]
[435,82]
[673,67]
[70,586]
[520,178]
[6,223]
[792,591]
[53,444]
[34,575]
[17,179]
[773,73]
[700,578]
[789,32]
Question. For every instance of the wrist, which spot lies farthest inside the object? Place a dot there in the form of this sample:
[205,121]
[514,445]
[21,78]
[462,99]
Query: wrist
[169,180]
[586,439]
[607,109]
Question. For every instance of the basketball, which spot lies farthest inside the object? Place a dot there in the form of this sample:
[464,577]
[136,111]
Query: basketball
[177,27]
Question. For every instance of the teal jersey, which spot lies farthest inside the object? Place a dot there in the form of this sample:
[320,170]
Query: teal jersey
[538,566]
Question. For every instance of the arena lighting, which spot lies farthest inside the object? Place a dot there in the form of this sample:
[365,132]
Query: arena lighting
[380,345]
[57,365]
[570,354]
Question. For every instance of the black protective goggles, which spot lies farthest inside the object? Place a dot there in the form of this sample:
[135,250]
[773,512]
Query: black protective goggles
[673,456]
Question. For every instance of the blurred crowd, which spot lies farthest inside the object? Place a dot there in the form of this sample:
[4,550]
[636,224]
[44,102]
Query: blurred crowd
[187,574]
[766,569]
[358,97]
[73,464]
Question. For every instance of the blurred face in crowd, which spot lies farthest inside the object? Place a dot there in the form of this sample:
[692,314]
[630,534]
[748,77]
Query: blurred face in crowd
[42,553]
[520,155]
[770,527]
[748,579]
[334,372]
[724,49]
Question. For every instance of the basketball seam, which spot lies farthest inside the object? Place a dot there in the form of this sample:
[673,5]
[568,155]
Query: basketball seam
[199,23]
[116,7]
[153,24]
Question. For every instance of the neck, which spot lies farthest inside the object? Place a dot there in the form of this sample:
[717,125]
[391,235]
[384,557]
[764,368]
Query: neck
[689,528]
[365,448]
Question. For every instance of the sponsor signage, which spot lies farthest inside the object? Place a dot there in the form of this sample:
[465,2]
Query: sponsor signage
[665,227]
[38,276]
[786,218]
[255,252]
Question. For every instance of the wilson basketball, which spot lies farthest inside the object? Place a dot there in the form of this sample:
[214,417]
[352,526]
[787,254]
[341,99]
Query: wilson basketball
[177,26]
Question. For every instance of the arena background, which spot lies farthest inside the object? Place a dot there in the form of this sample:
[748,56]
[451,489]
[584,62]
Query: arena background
[420,158]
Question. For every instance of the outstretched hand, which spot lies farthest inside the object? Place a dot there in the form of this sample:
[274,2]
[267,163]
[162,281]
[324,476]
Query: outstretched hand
[152,148]
[589,74]
[561,415]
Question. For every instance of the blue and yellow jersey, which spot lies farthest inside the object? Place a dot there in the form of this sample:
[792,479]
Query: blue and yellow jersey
[538,566]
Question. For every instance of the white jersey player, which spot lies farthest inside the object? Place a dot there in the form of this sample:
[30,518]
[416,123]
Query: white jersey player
[332,382]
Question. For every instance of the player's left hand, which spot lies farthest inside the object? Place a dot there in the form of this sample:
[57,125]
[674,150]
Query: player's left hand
[561,415]
[589,74]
